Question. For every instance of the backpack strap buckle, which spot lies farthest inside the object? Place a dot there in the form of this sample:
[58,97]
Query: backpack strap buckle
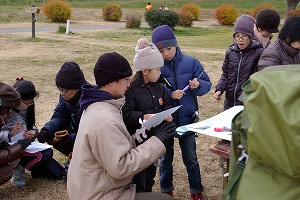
[243,159]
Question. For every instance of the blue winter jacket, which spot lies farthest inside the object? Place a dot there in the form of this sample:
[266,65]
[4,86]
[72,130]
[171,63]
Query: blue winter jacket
[66,116]
[178,72]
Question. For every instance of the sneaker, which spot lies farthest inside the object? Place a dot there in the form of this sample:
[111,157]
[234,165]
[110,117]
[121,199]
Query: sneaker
[199,196]
[21,170]
[17,178]
[170,193]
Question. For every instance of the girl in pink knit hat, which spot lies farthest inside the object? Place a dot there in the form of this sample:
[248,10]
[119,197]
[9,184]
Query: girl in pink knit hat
[145,97]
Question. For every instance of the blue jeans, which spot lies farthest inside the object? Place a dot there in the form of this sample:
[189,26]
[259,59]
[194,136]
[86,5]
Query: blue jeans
[188,148]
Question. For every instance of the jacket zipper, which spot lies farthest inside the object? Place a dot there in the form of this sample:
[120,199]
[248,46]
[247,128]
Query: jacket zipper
[237,79]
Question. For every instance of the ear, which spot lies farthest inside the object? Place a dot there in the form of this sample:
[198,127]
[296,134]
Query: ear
[145,71]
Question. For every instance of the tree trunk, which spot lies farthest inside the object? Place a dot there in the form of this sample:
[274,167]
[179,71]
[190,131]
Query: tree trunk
[292,4]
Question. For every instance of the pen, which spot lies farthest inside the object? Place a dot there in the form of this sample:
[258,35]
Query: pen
[188,86]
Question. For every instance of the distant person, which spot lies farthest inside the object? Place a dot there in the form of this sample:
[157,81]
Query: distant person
[186,80]
[285,49]
[145,97]
[105,157]
[240,62]
[267,22]
[148,6]
[10,154]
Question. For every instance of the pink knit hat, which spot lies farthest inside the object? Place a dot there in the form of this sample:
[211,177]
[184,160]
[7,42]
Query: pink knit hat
[147,56]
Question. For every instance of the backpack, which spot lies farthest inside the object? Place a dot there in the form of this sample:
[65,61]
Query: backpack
[265,147]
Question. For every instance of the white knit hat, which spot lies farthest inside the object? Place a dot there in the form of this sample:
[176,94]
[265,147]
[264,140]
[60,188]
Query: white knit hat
[147,56]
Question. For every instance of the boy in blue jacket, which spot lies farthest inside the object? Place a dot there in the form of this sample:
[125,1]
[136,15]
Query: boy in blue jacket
[186,79]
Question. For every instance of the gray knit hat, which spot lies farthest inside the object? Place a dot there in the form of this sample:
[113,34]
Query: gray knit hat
[10,98]
[244,24]
[147,56]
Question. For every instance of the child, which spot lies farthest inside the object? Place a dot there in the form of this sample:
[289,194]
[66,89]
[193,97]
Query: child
[267,22]
[21,124]
[9,154]
[144,97]
[240,62]
[181,71]
[285,50]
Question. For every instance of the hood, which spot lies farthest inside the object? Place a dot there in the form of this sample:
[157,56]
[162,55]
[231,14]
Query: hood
[92,94]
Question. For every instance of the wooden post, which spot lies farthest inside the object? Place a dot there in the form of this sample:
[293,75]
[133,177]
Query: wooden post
[33,21]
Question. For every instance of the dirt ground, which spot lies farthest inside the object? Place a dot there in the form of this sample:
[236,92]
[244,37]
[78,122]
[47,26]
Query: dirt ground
[39,60]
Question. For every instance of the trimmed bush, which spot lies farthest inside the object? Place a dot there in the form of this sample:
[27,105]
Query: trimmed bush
[57,10]
[226,14]
[260,7]
[158,17]
[190,9]
[186,19]
[294,13]
[133,20]
[112,12]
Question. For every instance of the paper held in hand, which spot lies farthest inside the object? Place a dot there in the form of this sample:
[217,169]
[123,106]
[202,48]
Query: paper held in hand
[212,125]
[157,118]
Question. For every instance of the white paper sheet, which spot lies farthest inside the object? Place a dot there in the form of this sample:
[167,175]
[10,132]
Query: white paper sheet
[207,126]
[36,146]
[157,118]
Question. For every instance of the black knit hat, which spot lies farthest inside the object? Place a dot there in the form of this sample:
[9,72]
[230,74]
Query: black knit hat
[70,76]
[111,67]
[290,30]
[268,19]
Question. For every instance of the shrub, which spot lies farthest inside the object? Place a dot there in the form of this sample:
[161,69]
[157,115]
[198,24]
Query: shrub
[186,19]
[294,13]
[112,12]
[260,7]
[226,14]
[133,20]
[57,10]
[158,17]
[62,29]
[190,9]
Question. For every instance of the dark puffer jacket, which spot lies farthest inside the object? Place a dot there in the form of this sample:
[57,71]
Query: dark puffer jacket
[237,67]
[178,72]
[146,99]
[66,116]
[278,53]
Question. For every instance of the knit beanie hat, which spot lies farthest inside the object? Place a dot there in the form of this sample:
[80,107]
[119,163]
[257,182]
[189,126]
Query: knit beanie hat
[163,36]
[290,30]
[244,24]
[268,19]
[111,67]
[10,98]
[147,56]
[70,76]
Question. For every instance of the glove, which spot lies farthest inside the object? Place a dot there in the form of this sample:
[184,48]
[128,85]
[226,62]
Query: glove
[25,143]
[43,136]
[59,135]
[165,131]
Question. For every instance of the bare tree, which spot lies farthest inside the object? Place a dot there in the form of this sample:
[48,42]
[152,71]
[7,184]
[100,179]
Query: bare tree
[292,4]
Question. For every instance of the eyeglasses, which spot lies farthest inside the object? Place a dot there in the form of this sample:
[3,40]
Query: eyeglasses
[242,36]
[63,91]
[28,102]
